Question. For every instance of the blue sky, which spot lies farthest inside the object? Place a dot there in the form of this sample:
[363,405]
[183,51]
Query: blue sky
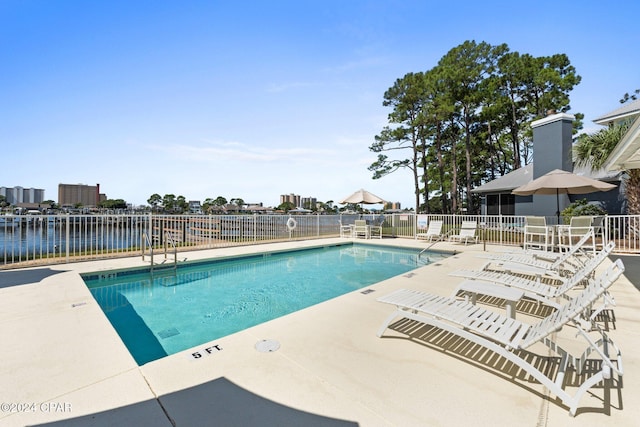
[256,99]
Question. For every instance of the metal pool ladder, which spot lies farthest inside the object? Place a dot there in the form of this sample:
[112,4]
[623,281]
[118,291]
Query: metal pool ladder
[167,241]
[440,239]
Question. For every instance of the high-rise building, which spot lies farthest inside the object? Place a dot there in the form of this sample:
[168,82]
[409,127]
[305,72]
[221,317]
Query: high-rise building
[19,195]
[79,194]
[308,202]
[292,198]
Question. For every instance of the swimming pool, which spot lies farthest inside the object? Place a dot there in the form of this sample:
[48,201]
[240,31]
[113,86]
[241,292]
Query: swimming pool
[169,311]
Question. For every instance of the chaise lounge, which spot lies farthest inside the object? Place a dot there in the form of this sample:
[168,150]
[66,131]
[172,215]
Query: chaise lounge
[434,231]
[550,261]
[467,233]
[533,288]
[510,338]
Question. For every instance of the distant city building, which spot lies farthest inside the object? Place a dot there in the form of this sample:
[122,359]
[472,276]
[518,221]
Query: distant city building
[308,202]
[20,195]
[257,208]
[195,207]
[392,206]
[79,194]
[299,202]
[291,198]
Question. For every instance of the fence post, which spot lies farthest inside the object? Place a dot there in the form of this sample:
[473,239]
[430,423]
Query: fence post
[67,240]
[393,225]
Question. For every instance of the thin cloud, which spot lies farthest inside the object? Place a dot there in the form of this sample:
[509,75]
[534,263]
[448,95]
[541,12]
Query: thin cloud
[236,151]
[358,142]
[282,87]
[356,65]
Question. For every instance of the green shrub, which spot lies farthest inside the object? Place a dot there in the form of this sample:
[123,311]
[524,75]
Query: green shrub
[581,208]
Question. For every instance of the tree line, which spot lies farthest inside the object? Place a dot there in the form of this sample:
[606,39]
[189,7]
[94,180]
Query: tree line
[467,120]
[170,203]
[178,204]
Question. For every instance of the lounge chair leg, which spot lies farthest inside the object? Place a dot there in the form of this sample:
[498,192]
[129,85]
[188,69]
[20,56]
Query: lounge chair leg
[386,324]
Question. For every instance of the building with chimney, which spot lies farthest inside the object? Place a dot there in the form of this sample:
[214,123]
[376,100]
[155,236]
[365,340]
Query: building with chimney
[552,149]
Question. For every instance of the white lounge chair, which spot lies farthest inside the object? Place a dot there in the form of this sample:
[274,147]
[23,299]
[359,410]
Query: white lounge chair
[510,338]
[541,260]
[434,231]
[467,233]
[534,288]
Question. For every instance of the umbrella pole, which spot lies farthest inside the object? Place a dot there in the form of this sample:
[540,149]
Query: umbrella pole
[557,206]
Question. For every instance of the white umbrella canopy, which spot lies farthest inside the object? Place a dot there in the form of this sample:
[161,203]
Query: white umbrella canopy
[364,197]
[562,182]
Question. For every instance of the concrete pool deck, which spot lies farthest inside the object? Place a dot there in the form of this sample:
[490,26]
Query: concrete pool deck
[63,364]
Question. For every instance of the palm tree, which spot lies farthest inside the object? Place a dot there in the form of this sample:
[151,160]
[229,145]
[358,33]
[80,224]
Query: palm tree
[594,150]
[633,191]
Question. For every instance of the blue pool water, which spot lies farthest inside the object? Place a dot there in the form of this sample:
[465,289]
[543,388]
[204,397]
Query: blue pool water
[166,312]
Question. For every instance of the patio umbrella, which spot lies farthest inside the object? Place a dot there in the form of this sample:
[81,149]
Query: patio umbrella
[364,197]
[562,182]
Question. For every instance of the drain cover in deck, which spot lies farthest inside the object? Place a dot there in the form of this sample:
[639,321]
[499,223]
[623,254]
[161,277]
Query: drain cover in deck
[267,346]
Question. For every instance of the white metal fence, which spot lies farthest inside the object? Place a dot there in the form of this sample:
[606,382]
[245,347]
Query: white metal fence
[51,239]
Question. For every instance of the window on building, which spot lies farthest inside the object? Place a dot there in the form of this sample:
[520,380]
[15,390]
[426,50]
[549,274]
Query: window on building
[493,204]
[501,204]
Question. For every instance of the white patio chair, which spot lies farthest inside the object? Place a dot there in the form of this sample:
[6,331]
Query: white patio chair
[577,228]
[375,231]
[537,234]
[346,230]
[361,229]
[599,230]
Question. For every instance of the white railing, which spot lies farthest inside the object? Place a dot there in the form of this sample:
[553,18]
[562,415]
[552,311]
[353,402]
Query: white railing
[624,230]
[51,239]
